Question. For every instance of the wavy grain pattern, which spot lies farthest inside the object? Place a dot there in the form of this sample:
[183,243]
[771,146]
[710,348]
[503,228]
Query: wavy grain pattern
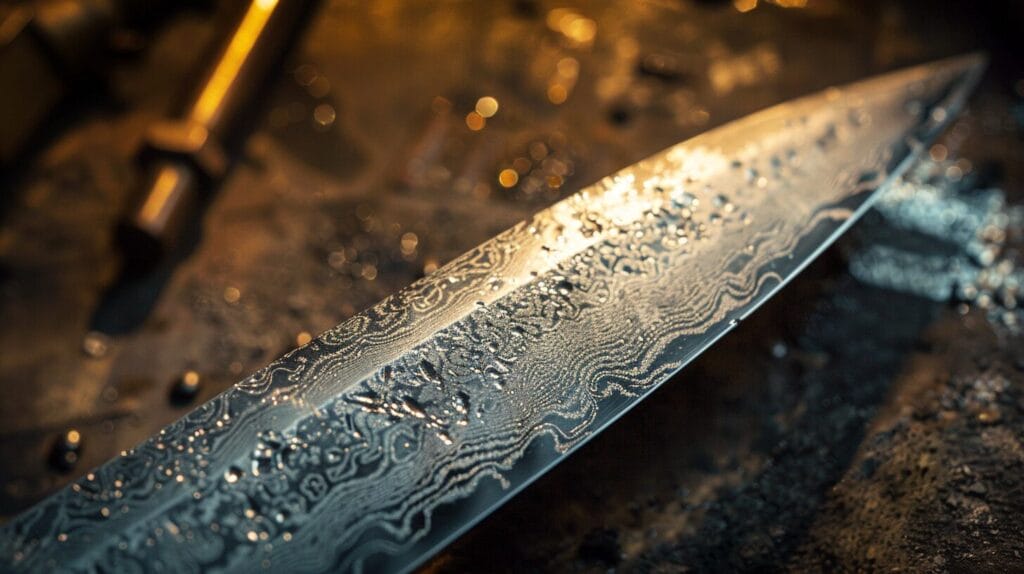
[387,435]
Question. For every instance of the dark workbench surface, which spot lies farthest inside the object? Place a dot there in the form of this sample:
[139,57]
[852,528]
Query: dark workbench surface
[841,426]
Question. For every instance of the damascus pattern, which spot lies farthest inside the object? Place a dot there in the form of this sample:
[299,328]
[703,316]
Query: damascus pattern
[374,445]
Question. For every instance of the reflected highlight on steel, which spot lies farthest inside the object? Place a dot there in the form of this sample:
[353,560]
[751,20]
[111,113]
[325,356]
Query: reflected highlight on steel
[382,439]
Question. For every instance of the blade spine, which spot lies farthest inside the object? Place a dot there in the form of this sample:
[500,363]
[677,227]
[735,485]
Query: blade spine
[962,92]
[755,118]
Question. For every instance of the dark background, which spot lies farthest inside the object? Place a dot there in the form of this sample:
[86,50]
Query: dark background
[824,432]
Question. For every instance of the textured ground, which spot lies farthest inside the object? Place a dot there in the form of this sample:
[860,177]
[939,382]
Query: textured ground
[844,427]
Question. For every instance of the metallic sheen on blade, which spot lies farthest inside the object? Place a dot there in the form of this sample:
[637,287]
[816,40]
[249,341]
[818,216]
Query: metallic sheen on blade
[377,443]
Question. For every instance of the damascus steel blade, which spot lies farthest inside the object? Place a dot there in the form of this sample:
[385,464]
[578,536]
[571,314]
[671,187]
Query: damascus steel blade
[377,443]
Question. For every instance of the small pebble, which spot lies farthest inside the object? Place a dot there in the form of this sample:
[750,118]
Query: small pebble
[66,450]
[186,388]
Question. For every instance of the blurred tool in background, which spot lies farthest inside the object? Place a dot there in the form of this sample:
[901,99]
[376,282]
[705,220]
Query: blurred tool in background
[50,49]
[184,156]
[188,154]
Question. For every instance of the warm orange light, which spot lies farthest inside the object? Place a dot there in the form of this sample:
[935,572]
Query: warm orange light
[487,106]
[744,5]
[475,121]
[324,115]
[166,183]
[232,295]
[409,242]
[572,25]
[208,105]
[508,177]
[557,94]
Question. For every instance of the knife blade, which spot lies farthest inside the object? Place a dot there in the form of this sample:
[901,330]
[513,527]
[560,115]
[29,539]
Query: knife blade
[386,437]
